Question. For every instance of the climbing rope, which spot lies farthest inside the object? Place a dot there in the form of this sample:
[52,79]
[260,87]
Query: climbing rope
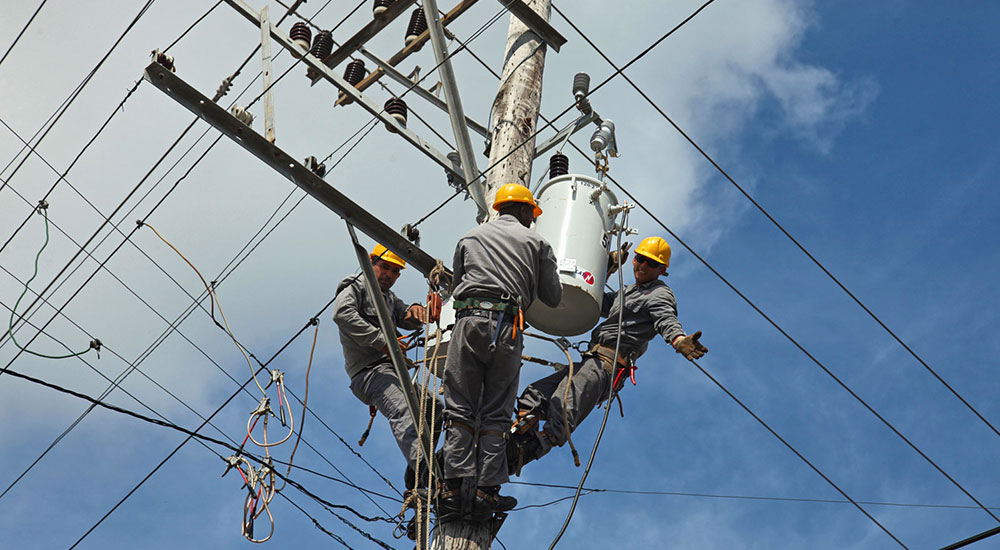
[569,384]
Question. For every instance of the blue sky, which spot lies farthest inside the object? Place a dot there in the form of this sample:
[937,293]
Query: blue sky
[865,128]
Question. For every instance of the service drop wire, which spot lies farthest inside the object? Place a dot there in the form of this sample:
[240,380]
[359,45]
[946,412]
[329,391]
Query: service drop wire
[43,209]
[611,390]
[283,402]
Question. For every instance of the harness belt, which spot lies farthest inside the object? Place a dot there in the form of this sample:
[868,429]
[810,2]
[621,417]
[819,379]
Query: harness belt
[488,304]
[607,356]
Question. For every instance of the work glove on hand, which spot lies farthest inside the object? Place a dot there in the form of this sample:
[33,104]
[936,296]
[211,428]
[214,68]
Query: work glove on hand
[416,311]
[617,257]
[689,346]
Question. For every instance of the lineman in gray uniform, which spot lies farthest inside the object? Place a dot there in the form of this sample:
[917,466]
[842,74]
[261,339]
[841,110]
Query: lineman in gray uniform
[650,309]
[373,379]
[499,269]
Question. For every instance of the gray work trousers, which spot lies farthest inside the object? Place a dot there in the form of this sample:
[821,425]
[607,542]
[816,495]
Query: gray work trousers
[591,382]
[479,391]
[380,387]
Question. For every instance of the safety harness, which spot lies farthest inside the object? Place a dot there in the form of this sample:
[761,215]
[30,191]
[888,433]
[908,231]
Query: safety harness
[488,307]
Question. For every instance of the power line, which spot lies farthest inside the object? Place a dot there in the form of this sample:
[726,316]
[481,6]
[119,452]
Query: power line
[784,231]
[20,34]
[789,337]
[590,490]
[76,93]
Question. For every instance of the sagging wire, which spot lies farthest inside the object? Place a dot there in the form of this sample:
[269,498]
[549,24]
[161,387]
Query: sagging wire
[611,390]
[95,344]
[260,483]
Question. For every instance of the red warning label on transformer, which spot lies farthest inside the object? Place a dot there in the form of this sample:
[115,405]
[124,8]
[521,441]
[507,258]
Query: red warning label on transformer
[587,276]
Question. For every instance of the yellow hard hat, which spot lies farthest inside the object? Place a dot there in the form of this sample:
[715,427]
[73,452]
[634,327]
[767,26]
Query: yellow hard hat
[655,249]
[383,253]
[515,192]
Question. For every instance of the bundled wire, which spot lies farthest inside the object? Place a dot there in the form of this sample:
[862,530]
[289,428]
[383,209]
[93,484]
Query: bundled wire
[260,482]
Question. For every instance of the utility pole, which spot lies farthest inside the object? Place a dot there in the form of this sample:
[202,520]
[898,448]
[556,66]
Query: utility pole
[515,109]
[515,116]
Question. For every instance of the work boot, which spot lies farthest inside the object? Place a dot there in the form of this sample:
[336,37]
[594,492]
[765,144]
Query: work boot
[521,449]
[489,499]
[449,503]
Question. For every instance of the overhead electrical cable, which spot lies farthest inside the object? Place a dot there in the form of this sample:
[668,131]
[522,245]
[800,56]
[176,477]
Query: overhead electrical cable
[20,34]
[76,92]
[789,337]
[785,232]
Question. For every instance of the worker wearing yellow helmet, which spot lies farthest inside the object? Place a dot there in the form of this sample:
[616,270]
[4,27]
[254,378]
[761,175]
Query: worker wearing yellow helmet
[500,268]
[366,352]
[649,309]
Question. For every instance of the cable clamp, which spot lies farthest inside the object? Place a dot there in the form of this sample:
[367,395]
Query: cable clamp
[314,321]
[96,344]
[231,461]
[263,407]
[42,205]
[563,343]
[276,376]
[139,223]
[163,59]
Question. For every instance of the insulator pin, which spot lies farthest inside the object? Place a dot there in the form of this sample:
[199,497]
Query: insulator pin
[418,24]
[397,109]
[381,6]
[558,165]
[301,34]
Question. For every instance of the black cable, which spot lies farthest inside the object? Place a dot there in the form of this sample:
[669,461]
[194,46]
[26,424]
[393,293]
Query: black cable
[193,25]
[317,524]
[76,92]
[20,34]
[972,539]
[752,497]
[784,231]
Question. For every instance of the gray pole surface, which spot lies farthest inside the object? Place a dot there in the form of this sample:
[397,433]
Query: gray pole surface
[515,109]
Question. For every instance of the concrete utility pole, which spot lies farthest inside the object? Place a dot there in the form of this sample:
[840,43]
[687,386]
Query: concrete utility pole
[515,110]
[515,115]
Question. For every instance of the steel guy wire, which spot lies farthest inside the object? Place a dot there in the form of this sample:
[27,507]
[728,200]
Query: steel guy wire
[797,453]
[193,25]
[802,348]
[773,323]
[317,524]
[62,177]
[76,93]
[787,234]
[20,34]
[591,490]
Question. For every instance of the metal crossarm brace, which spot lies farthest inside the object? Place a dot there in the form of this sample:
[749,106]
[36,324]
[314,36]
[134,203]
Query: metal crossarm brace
[281,38]
[396,354]
[366,33]
[287,166]
[265,56]
[392,73]
[455,111]
[578,125]
[414,46]
[535,22]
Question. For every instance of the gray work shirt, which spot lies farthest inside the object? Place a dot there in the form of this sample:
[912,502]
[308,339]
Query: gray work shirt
[360,335]
[650,308]
[503,257]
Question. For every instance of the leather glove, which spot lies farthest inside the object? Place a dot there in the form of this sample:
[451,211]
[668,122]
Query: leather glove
[617,257]
[689,346]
